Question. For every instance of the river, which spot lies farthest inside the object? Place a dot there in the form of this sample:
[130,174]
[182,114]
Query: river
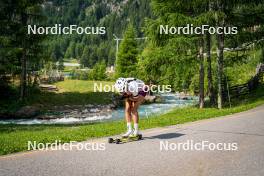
[170,101]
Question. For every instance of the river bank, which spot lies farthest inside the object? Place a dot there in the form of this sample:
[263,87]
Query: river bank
[74,114]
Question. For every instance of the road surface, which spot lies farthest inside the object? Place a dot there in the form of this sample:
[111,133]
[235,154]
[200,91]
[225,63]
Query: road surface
[145,158]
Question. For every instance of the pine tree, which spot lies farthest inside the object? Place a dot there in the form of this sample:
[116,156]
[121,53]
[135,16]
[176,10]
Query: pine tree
[99,71]
[56,54]
[178,14]
[78,50]
[85,59]
[211,93]
[70,52]
[201,73]
[127,56]
[24,49]
[61,66]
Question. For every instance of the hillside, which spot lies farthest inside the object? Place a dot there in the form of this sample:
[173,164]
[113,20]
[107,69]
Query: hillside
[115,15]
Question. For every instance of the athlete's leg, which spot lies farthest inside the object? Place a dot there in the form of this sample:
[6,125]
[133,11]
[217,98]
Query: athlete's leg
[128,108]
[134,112]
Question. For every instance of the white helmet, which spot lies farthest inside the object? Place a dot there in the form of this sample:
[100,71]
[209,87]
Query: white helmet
[120,84]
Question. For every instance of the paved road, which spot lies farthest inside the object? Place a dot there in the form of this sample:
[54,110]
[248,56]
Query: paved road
[144,157]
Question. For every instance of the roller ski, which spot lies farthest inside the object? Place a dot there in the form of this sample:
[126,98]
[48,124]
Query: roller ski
[125,139]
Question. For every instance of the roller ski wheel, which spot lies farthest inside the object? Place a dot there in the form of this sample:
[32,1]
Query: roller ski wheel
[110,140]
[140,136]
[117,141]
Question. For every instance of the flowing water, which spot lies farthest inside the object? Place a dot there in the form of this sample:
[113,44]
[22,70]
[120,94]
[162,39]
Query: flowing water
[170,101]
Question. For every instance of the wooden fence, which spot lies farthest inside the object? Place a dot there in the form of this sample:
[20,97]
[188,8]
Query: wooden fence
[244,89]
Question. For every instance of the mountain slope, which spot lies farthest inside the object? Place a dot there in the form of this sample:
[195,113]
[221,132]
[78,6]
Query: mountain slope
[88,49]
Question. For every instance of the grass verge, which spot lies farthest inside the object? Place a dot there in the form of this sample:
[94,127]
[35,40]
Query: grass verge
[14,138]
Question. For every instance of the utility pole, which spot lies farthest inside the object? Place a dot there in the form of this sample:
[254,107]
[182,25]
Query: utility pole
[117,44]
[119,39]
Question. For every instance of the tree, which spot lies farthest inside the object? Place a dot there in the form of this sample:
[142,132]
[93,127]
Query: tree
[56,54]
[61,66]
[85,59]
[220,53]
[127,57]
[201,73]
[217,13]
[211,93]
[99,71]
[78,50]
[180,14]
[70,52]
[24,49]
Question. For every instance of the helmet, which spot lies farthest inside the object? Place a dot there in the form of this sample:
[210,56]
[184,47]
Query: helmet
[120,84]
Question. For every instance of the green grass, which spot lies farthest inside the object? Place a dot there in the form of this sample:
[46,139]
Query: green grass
[14,138]
[80,86]
[71,92]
